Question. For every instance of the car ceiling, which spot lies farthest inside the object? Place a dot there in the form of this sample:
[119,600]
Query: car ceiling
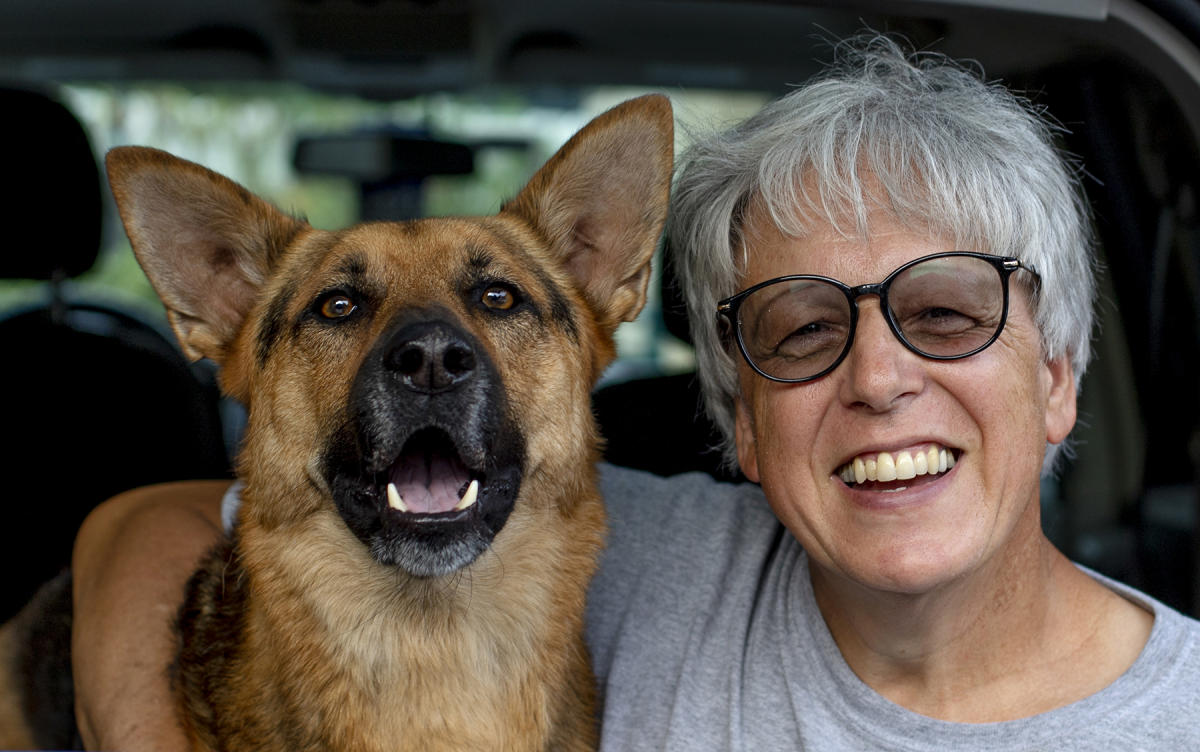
[394,48]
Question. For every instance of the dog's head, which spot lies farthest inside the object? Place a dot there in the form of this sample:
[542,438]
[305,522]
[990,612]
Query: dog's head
[418,377]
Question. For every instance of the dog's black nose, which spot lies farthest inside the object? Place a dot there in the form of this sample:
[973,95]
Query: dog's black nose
[430,356]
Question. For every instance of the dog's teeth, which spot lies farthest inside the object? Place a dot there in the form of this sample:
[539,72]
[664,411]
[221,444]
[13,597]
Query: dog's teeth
[468,497]
[394,499]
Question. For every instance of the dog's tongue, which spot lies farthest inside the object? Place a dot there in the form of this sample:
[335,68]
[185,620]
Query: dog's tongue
[429,483]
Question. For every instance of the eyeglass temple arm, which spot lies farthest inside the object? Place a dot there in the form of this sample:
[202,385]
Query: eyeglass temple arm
[1012,265]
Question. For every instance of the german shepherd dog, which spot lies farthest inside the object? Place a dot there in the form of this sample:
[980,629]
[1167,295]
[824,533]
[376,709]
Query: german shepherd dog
[420,515]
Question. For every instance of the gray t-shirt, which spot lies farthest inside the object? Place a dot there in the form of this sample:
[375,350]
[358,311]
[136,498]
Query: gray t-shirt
[705,636]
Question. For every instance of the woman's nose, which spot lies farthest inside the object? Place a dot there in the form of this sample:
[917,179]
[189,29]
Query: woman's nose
[879,372]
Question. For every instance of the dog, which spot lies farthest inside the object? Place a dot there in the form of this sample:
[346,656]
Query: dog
[420,515]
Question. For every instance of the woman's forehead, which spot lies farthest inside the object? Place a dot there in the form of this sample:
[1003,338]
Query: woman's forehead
[861,204]
[854,258]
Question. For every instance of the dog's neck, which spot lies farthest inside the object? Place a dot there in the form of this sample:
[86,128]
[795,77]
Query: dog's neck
[495,627]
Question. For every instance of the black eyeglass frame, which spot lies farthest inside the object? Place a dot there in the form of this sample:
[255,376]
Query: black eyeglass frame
[1005,266]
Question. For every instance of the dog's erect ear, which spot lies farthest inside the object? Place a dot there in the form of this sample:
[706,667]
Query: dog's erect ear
[206,243]
[601,202]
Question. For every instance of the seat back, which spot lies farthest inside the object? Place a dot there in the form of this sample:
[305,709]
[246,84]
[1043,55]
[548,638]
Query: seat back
[96,398]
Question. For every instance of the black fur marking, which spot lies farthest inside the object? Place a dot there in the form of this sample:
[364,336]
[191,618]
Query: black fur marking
[273,323]
[479,258]
[561,310]
[44,666]
[208,628]
[353,267]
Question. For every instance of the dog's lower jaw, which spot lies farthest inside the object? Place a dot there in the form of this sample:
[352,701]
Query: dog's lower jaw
[420,559]
[424,546]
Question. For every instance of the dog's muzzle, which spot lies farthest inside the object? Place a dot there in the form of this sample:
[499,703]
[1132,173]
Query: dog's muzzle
[429,463]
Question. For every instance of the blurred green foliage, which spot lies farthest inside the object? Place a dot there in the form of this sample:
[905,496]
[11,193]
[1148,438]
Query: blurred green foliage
[248,132]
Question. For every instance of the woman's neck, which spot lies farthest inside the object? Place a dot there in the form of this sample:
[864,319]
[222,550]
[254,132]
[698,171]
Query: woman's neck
[1024,633]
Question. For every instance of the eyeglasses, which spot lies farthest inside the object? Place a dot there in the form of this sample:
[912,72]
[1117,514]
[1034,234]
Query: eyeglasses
[944,306]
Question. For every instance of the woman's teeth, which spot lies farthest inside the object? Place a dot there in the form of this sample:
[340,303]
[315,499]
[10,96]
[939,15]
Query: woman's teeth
[886,467]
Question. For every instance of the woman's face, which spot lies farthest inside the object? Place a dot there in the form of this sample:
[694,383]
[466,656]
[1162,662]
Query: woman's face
[992,412]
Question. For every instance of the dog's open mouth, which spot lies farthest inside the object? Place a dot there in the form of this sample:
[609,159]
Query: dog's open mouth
[436,506]
[429,478]
[426,473]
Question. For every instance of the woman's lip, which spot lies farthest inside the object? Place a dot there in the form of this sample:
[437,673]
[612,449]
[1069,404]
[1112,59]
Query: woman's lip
[898,495]
[928,458]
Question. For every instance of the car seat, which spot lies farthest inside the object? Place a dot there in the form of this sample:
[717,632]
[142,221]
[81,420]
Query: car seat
[658,423]
[96,398]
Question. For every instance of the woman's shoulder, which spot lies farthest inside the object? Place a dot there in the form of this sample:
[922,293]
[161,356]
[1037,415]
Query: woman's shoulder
[682,551]
[641,495]
[1165,678]
[682,516]
[1169,623]
[686,533]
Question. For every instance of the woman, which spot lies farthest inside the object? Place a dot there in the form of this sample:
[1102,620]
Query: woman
[889,274]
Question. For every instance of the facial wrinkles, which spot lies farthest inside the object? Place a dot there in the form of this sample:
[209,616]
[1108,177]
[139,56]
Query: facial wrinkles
[877,382]
[770,406]
[886,464]
[886,363]
[1016,345]
[985,412]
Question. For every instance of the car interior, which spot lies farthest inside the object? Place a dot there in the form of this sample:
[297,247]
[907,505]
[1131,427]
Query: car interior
[98,399]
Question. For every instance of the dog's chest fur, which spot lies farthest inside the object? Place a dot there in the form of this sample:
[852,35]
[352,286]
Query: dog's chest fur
[477,662]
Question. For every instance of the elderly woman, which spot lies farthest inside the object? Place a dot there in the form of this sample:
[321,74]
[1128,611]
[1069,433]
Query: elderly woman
[889,274]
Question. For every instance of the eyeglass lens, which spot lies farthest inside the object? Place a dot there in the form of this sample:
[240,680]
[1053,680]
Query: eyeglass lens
[942,307]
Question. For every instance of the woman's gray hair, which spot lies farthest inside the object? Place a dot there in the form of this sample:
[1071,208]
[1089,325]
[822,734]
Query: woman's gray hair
[916,135]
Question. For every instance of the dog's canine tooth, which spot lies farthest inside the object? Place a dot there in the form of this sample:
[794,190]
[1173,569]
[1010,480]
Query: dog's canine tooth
[394,499]
[468,497]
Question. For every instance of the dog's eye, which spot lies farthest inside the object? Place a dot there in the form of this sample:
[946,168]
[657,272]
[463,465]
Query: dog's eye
[499,298]
[338,306]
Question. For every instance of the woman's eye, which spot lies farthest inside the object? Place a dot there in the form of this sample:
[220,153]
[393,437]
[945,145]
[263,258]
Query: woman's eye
[499,298]
[338,307]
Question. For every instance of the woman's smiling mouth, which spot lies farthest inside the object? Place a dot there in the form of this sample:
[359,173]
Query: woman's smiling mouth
[886,467]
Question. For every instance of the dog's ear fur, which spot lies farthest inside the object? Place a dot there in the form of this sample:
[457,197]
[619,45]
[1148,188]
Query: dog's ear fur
[205,243]
[601,203]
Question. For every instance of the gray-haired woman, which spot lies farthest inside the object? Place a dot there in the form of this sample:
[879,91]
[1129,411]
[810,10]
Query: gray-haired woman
[890,281]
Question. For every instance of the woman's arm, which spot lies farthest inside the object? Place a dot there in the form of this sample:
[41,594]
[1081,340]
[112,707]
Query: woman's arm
[132,558]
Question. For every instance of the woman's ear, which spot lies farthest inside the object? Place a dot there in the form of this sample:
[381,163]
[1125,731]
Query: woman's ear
[747,449]
[1060,402]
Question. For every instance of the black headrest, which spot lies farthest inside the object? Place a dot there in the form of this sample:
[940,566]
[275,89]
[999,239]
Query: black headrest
[52,207]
